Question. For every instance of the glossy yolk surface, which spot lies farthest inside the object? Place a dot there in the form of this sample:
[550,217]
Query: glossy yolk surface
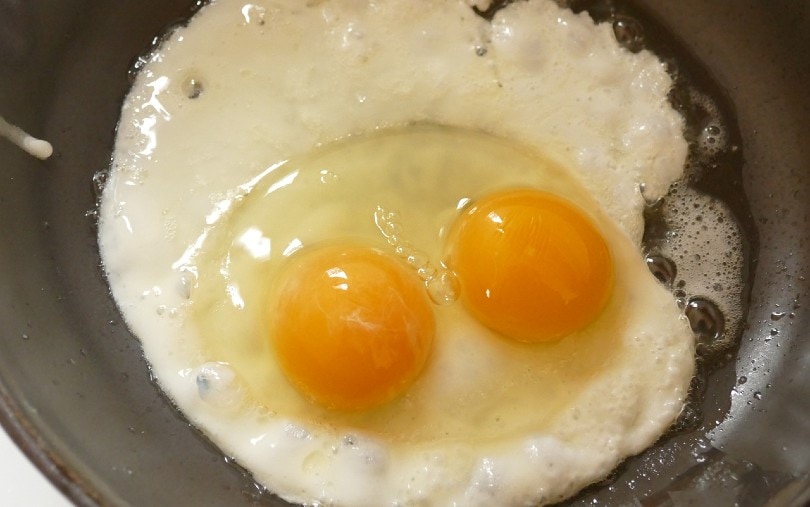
[531,265]
[351,327]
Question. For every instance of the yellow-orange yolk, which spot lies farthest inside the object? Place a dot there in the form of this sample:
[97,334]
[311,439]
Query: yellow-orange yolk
[351,326]
[531,266]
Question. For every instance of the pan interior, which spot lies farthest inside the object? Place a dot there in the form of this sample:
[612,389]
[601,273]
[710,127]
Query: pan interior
[74,388]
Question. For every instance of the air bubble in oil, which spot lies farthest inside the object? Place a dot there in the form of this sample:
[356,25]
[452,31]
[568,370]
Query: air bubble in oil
[706,320]
[662,268]
[629,33]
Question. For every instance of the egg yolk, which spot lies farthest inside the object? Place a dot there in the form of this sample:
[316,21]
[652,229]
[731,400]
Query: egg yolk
[351,326]
[531,266]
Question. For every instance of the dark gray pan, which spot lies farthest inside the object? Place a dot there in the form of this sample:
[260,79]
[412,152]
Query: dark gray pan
[75,392]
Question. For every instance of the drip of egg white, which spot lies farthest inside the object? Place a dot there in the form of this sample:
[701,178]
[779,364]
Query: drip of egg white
[38,148]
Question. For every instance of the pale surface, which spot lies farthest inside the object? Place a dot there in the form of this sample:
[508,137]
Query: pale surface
[21,483]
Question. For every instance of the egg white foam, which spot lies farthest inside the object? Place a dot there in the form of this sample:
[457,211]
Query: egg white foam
[279,79]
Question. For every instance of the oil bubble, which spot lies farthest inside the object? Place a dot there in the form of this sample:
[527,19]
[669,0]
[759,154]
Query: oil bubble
[706,320]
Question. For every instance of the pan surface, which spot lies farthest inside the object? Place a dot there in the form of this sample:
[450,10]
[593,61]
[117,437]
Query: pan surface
[75,392]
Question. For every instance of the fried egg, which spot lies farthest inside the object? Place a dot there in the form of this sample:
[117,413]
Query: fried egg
[388,252]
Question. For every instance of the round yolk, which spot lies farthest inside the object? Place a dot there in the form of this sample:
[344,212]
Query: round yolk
[531,265]
[351,327]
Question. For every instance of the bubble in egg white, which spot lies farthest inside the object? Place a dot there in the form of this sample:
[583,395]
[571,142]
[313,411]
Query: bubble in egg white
[217,384]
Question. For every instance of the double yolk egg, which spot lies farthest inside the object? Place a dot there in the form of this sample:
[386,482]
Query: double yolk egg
[353,326]
[393,247]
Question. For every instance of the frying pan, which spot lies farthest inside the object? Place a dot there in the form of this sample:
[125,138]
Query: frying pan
[75,392]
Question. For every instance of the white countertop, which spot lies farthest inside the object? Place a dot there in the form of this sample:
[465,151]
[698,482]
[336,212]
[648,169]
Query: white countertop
[21,483]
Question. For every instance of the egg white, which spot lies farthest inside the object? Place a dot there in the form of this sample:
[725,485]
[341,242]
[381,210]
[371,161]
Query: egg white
[280,80]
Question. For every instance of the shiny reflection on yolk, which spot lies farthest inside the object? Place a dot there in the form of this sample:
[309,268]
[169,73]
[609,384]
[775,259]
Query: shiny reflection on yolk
[531,266]
[351,327]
